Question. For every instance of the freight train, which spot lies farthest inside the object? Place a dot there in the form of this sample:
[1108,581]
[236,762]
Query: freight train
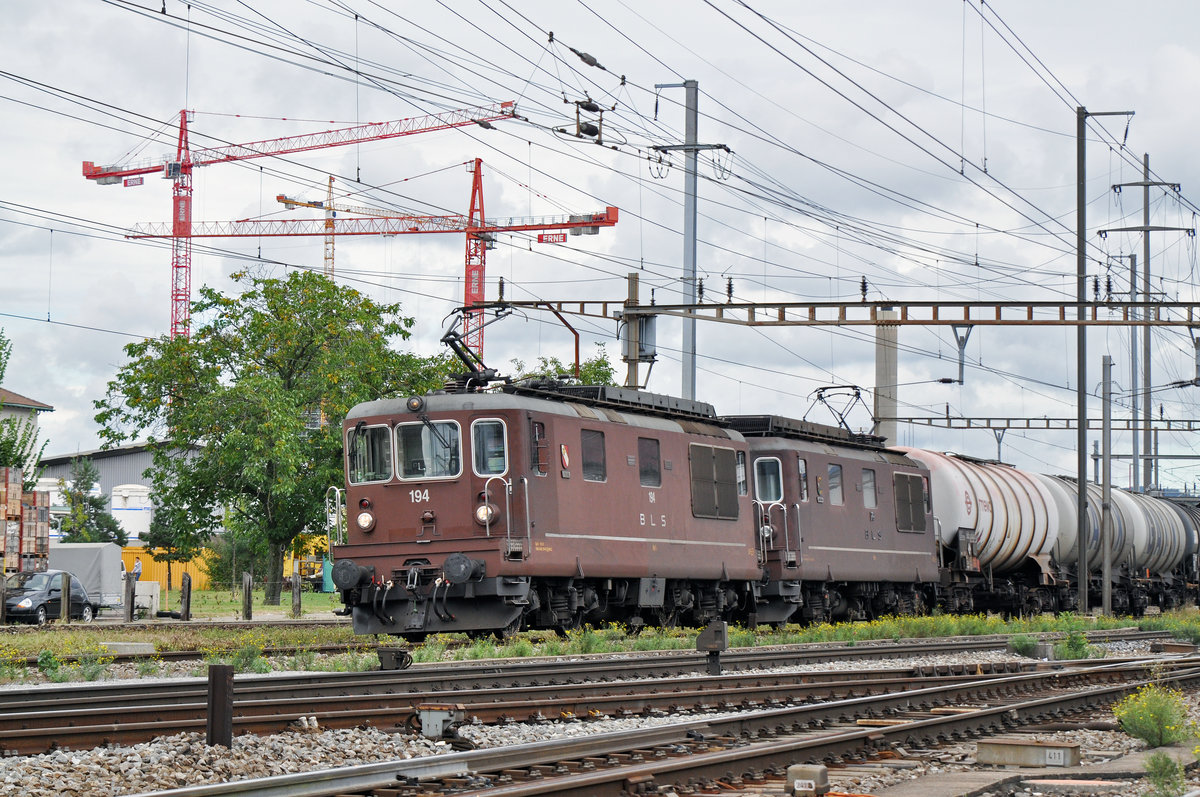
[548,505]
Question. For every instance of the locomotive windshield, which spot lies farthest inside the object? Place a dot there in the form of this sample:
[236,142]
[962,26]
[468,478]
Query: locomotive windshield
[429,449]
[490,449]
[369,454]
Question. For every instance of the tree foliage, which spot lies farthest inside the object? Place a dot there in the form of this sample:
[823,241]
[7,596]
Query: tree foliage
[595,370]
[87,519]
[244,418]
[18,436]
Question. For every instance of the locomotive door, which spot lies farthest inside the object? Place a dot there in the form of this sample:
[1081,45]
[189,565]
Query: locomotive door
[771,513]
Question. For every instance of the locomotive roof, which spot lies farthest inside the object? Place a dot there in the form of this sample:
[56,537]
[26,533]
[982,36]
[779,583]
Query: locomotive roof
[618,398]
[618,405]
[780,426]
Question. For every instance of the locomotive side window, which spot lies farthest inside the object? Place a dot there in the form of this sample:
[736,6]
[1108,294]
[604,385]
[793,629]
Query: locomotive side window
[489,448]
[369,454]
[870,501]
[649,463]
[592,449]
[742,482]
[835,485]
[910,502]
[714,481]
[768,480]
[802,466]
[429,450]
[540,453]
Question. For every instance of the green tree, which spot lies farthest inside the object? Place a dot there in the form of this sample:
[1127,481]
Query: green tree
[172,539]
[18,436]
[87,520]
[244,417]
[595,370]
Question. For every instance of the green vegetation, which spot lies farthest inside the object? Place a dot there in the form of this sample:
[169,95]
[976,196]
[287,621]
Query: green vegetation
[1155,714]
[87,520]
[1022,644]
[19,446]
[245,415]
[1074,646]
[1165,775]
[251,650]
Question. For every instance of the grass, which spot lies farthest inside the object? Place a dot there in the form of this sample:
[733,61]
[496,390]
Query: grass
[247,648]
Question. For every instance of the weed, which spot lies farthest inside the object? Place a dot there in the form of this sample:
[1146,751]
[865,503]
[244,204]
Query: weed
[249,658]
[1155,714]
[147,668]
[1074,646]
[93,665]
[304,659]
[1165,775]
[48,663]
[1022,644]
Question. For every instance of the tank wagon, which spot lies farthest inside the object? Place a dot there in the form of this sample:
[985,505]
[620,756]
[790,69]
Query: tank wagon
[1012,540]
[545,505]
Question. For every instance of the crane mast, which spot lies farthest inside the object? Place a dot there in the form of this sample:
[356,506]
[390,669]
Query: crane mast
[180,169]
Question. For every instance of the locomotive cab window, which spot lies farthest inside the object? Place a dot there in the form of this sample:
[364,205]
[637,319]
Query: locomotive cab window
[429,450]
[835,485]
[369,454]
[595,468]
[911,495]
[742,482]
[768,480]
[649,463]
[539,448]
[870,501]
[802,469]
[714,481]
[489,448]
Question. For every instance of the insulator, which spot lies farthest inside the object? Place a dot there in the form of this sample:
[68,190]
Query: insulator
[589,106]
[588,129]
[863,287]
[700,291]
[729,290]
[501,293]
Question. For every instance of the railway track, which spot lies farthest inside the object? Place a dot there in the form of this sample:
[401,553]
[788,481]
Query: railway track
[732,751]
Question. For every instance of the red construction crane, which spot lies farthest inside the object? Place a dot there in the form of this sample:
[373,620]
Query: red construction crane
[179,170]
[371,221]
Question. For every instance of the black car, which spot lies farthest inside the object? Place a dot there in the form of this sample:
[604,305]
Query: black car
[37,598]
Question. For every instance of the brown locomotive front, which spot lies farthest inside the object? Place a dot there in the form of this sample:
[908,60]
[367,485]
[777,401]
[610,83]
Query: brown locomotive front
[491,511]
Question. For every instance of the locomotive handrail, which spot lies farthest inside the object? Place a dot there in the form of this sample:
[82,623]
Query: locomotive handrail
[335,518]
[487,496]
[528,517]
[799,535]
[764,518]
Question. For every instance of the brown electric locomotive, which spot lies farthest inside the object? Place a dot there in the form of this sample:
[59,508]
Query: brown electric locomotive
[546,506]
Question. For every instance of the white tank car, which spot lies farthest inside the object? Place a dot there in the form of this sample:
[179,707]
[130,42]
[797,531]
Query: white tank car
[1012,515]
[1015,515]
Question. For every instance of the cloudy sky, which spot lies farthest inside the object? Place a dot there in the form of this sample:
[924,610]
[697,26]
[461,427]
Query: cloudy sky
[928,147]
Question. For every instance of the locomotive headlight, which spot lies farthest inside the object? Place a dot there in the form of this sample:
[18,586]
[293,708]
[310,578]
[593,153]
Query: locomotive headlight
[485,514]
[365,521]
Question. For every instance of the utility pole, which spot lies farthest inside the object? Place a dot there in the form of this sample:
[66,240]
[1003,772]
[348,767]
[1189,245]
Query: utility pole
[1081,393]
[1106,521]
[690,147]
[1135,484]
[1145,229]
